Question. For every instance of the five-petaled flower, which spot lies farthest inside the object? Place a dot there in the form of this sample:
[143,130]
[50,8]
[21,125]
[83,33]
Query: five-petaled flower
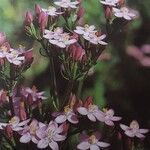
[50,135]
[66,4]
[133,130]
[108,117]
[51,11]
[68,114]
[94,39]
[14,57]
[91,111]
[59,38]
[29,132]
[125,13]
[15,124]
[35,95]
[91,142]
[86,30]
[109,2]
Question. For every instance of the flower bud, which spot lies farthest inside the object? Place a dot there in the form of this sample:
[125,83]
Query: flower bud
[9,131]
[43,19]
[28,18]
[37,9]
[108,12]
[80,12]
[22,113]
[2,38]
[76,52]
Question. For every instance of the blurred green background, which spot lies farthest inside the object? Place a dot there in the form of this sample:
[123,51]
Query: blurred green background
[118,82]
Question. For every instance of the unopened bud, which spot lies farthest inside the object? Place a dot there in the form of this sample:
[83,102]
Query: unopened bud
[108,12]
[2,38]
[80,12]
[9,131]
[43,19]
[28,18]
[37,9]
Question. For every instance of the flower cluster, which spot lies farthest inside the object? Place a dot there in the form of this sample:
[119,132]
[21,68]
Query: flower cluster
[72,49]
[118,9]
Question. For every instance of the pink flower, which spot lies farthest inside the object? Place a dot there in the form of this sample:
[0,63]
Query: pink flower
[15,124]
[125,13]
[35,95]
[59,38]
[92,142]
[91,111]
[14,57]
[29,132]
[66,3]
[108,117]
[4,51]
[68,114]
[133,130]
[50,136]
[86,30]
[51,11]
[94,39]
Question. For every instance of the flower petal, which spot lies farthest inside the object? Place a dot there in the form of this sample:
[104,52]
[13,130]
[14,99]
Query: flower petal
[83,145]
[124,127]
[94,147]
[53,145]
[143,130]
[103,144]
[91,117]
[109,123]
[42,144]
[60,118]
[82,110]
[25,138]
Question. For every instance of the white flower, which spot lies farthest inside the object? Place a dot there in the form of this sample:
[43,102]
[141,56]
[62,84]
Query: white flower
[92,142]
[133,130]
[59,38]
[109,2]
[67,4]
[14,58]
[51,11]
[3,52]
[29,132]
[15,124]
[125,13]
[50,136]
[92,112]
[108,117]
[86,30]
[68,114]
[63,41]
[94,39]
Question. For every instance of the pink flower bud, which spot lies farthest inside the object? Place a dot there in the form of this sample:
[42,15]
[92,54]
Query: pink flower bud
[108,12]
[43,19]
[22,113]
[9,131]
[2,38]
[28,18]
[76,52]
[80,12]
[37,9]
[121,2]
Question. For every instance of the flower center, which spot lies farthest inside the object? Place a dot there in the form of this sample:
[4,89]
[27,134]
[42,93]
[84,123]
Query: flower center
[13,121]
[92,139]
[50,135]
[134,124]
[67,109]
